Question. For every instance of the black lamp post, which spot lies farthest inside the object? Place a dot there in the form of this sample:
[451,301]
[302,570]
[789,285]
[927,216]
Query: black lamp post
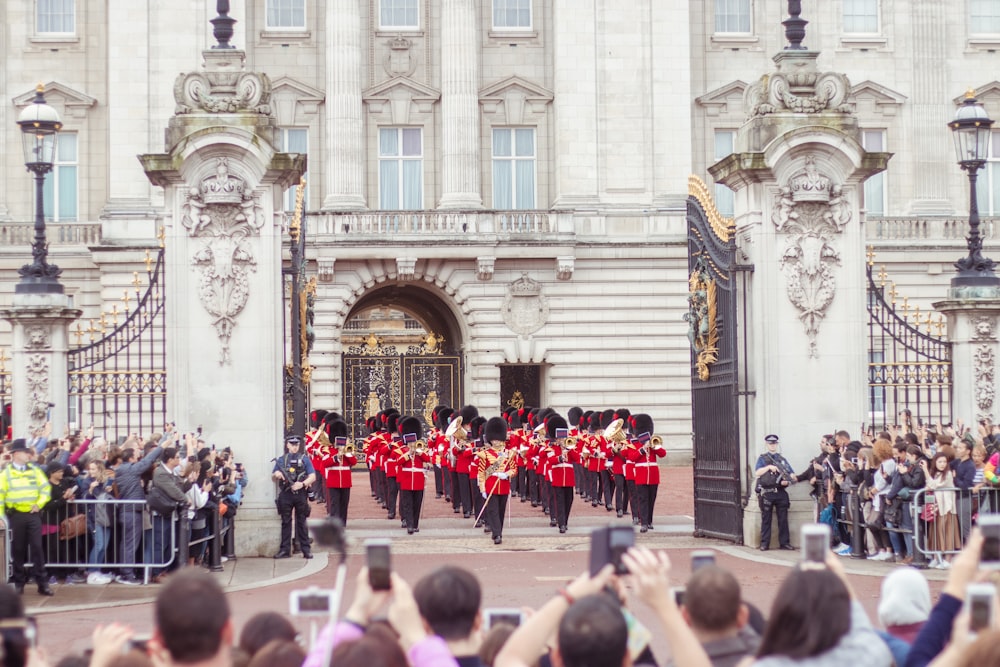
[39,125]
[971,130]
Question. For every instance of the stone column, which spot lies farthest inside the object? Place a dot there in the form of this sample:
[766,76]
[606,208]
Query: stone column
[40,325]
[972,330]
[128,78]
[460,145]
[575,104]
[345,141]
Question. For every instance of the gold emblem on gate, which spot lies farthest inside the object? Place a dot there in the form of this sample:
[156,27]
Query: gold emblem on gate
[702,318]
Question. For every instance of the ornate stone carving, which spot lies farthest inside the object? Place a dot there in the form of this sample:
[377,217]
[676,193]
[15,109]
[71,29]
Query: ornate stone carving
[37,337]
[484,267]
[406,267]
[525,309]
[565,267]
[223,91]
[984,327]
[984,361]
[797,87]
[224,215]
[37,376]
[811,223]
[399,60]
[324,269]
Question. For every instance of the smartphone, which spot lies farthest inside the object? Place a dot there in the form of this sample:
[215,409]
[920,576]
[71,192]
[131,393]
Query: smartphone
[311,602]
[379,564]
[496,615]
[139,643]
[989,557]
[678,595]
[639,636]
[607,545]
[815,542]
[700,558]
[980,603]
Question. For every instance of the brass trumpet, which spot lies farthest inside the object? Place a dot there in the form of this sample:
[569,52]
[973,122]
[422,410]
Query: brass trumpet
[656,441]
[571,442]
[349,449]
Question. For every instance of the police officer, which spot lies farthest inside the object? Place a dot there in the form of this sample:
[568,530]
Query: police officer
[24,491]
[773,473]
[294,473]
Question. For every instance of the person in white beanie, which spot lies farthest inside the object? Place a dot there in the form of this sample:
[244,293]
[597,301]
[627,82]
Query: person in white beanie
[903,609]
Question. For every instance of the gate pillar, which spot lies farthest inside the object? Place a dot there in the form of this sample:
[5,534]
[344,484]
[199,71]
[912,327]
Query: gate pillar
[798,170]
[223,179]
[40,324]
[972,330]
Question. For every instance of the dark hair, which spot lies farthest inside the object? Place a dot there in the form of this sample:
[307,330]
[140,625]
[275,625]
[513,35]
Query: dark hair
[127,455]
[168,453]
[911,439]
[810,614]
[712,599]
[494,641]
[843,434]
[372,650]
[191,612]
[133,658]
[73,661]
[11,605]
[263,628]
[932,468]
[593,632]
[448,599]
[915,451]
[278,653]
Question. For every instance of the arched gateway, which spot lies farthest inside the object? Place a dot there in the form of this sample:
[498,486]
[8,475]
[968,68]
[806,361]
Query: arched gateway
[402,348]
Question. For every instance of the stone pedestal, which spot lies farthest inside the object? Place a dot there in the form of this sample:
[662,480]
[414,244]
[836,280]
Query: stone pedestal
[972,330]
[223,181]
[40,325]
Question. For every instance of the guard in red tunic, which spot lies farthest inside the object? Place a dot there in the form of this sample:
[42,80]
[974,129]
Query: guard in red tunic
[413,458]
[337,465]
[390,464]
[606,482]
[644,452]
[496,466]
[476,438]
[562,457]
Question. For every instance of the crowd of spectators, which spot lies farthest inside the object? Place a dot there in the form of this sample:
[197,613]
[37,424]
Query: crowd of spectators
[920,488]
[90,536]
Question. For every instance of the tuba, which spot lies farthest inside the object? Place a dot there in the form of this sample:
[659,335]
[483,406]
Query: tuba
[615,434]
[455,430]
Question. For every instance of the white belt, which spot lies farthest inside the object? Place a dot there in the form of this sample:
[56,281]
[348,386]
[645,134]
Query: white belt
[338,468]
[563,465]
[413,469]
[645,464]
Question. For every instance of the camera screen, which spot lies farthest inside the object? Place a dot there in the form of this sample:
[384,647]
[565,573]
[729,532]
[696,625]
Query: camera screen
[991,549]
[815,548]
[509,619]
[979,613]
[314,604]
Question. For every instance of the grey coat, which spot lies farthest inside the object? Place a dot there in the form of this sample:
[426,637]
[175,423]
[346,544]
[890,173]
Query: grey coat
[128,477]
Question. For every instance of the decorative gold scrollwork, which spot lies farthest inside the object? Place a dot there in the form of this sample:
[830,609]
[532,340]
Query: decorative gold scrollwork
[702,319]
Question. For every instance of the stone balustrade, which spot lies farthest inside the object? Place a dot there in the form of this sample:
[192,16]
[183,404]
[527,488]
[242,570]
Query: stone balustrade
[914,229]
[432,223]
[57,233]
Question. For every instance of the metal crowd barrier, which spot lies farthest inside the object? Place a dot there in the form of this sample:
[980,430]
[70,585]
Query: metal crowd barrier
[66,552]
[930,538]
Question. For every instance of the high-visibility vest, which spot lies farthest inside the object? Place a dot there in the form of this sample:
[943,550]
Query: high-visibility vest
[20,490]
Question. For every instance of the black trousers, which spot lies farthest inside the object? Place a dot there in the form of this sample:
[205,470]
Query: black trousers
[769,504]
[438,482]
[410,503]
[25,534]
[456,490]
[465,492]
[522,483]
[533,484]
[391,495]
[562,504]
[477,497]
[647,499]
[446,482]
[633,499]
[621,494]
[380,486]
[607,487]
[337,502]
[289,503]
[593,486]
[496,510]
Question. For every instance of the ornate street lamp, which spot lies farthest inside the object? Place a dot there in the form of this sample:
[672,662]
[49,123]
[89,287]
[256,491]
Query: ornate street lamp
[971,130]
[39,125]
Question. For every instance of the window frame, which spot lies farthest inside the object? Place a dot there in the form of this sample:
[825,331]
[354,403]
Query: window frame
[383,27]
[505,28]
[735,33]
[721,191]
[878,19]
[288,196]
[285,28]
[399,159]
[51,200]
[513,159]
[54,33]
[988,204]
[879,177]
[973,22]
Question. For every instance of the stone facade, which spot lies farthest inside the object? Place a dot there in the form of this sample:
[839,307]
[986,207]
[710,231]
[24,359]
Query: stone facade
[624,101]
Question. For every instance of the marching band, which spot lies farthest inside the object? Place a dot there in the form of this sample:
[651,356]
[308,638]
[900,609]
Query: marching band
[479,466]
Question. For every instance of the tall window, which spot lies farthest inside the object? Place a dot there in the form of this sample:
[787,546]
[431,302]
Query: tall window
[984,16]
[861,16]
[732,16]
[988,192]
[513,168]
[56,16]
[511,14]
[294,140]
[874,140]
[400,169]
[286,14]
[60,191]
[725,199]
[398,14]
